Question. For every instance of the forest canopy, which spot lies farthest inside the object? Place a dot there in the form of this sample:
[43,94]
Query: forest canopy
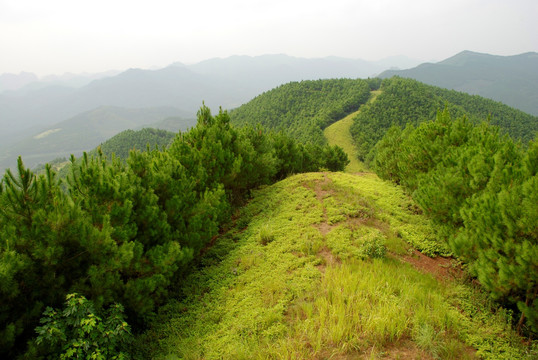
[303,109]
[405,102]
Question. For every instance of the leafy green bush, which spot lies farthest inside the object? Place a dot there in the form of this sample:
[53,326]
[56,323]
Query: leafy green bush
[373,246]
[78,332]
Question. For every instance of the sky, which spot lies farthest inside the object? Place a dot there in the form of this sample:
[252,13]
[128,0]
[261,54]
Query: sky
[59,36]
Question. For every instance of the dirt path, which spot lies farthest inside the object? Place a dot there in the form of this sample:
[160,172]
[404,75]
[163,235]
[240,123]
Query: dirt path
[338,134]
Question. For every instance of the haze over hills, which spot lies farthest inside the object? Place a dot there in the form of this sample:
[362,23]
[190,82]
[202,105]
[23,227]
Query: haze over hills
[236,65]
[230,82]
[87,130]
[16,81]
[227,82]
[220,82]
[512,80]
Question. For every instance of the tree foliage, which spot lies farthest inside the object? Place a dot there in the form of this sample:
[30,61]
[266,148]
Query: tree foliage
[481,189]
[406,102]
[79,332]
[124,232]
[303,109]
[122,143]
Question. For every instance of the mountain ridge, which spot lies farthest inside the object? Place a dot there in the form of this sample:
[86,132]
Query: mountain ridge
[512,79]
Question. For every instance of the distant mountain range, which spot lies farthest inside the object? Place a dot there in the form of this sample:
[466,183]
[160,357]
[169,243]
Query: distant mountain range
[16,81]
[38,107]
[512,80]
[235,65]
[226,82]
[67,102]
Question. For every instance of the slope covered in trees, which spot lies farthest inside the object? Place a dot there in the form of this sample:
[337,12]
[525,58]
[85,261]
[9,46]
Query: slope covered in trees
[125,232]
[481,190]
[405,101]
[121,144]
[303,109]
[116,238]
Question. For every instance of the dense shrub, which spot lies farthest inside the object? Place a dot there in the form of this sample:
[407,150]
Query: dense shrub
[78,332]
[481,190]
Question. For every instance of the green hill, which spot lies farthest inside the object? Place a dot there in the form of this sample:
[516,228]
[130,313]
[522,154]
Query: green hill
[408,102]
[127,140]
[303,109]
[512,80]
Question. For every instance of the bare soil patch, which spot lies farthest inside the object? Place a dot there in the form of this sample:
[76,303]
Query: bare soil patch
[442,268]
[404,349]
[324,228]
[329,259]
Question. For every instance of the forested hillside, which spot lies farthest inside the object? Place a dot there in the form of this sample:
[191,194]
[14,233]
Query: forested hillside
[150,254]
[303,109]
[409,102]
[122,234]
[481,190]
[121,144]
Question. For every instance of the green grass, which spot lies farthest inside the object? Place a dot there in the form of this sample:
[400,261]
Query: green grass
[338,134]
[315,269]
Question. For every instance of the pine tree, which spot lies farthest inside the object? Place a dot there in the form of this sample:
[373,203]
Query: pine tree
[39,250]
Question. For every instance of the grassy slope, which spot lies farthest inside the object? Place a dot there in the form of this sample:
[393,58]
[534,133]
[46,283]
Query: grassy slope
[301,275]
[338,134]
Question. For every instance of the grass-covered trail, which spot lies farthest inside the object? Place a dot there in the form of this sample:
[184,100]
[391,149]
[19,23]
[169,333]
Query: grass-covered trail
[323,266]
[338,134]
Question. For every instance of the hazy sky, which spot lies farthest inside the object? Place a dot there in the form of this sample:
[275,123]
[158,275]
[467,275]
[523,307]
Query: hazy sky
[57,36]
